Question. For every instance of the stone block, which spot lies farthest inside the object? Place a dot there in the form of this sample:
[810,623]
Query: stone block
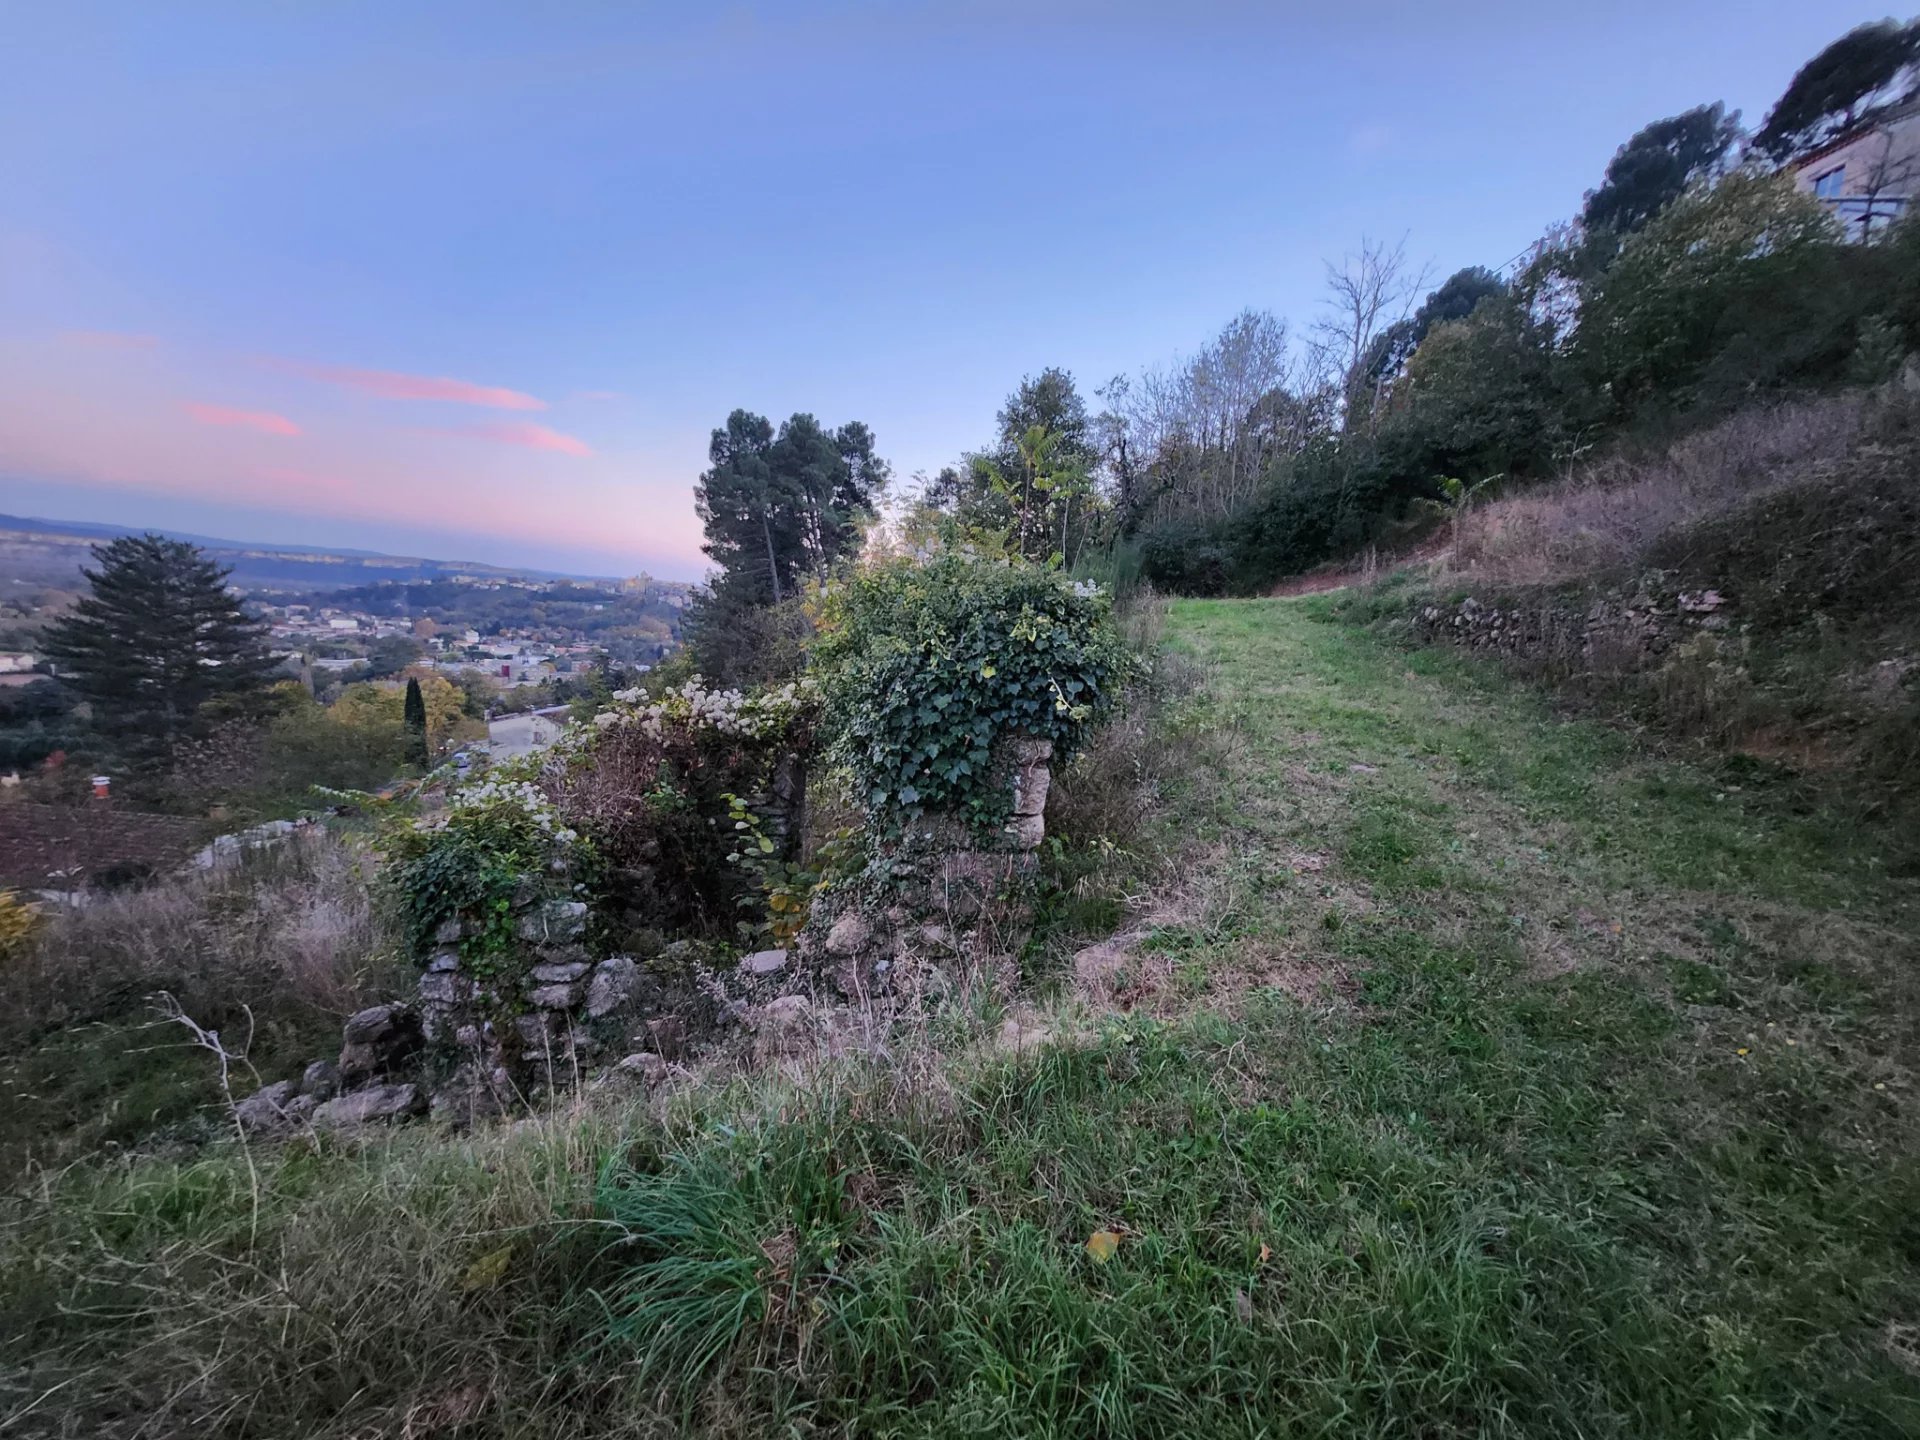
[612,987]
[321,1080]
[557,997]
[559,973]
[556,921]
[378,1041]
[850,934]
[265,1111]
[378,1102]
[764,962]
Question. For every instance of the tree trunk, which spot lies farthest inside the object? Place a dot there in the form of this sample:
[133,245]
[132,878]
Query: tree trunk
[773,568]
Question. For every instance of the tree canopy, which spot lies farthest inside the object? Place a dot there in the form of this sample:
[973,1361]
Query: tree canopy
[1654,168]
[1032,484]
[779,507]
[1454,299]
[159,648]
[1866,70]
[413,714]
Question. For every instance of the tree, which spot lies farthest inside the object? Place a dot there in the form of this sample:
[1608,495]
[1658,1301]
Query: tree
[413,714]
[1655,318]
[1479,394]
[780,507]
[377,706]
[160,649]
[1036,479]
[1846,85]
[1655,167]
[1051,401]
[1455,299]
[1366,292]
[391,654]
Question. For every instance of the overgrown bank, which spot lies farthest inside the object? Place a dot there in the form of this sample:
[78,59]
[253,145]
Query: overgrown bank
[1752,588]
[1473,1073]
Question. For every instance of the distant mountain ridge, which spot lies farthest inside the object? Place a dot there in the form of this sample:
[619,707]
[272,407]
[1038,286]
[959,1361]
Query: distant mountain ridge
[52,552]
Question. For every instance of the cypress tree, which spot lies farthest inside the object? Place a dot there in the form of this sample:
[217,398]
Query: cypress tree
[415,716]
[160,649]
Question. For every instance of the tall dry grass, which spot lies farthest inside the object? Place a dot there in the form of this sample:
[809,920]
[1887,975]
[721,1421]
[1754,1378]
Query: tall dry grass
[294,930]
[1605,517]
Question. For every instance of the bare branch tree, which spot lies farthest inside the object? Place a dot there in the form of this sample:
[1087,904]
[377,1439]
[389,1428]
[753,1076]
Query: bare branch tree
[1366,292]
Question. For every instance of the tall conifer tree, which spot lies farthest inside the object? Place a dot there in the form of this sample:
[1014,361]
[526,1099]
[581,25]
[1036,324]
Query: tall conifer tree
[159,648]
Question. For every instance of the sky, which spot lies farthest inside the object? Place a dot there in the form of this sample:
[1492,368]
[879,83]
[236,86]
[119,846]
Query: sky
[477,280]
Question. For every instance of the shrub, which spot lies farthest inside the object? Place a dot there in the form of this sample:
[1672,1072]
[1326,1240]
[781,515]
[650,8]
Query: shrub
[290,931]
[929,669]
[654,783]
[1188,556]
[466,865]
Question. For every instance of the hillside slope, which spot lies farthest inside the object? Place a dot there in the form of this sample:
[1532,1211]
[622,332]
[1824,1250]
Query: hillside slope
[1472,1072]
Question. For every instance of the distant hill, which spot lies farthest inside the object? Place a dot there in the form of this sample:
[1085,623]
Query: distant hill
[51,552]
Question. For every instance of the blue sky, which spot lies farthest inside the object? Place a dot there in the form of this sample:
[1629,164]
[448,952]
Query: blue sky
[476,280]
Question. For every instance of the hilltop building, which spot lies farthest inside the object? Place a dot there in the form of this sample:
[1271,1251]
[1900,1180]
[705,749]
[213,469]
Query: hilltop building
[1869,176]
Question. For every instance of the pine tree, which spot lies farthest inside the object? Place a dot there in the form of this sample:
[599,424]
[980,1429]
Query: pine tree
[415,715]
[160,649]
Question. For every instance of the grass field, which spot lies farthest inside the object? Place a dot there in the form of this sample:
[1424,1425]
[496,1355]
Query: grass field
[1472,1072]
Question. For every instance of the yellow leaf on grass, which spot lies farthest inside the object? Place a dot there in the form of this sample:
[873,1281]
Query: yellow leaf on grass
[1266,1252]
[489,1270]
[1101,1245]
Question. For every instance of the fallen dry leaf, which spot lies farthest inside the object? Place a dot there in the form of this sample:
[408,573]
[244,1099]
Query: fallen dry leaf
[1101,1245]
[489,1270]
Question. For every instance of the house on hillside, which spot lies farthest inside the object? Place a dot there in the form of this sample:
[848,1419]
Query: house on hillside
[511,735]
[1869,176]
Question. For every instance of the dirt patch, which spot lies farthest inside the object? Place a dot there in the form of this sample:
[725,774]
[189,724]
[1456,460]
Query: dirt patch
[1316,981]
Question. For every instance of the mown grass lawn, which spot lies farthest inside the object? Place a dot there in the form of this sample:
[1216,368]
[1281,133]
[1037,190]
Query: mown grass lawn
[1477,1073]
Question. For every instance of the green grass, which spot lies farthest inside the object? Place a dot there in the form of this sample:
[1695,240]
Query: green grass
[1488,1076]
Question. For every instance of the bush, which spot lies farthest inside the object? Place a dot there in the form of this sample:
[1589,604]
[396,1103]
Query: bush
[929,669]
[654,784]
[466,865]
[1187,556]
[736,644]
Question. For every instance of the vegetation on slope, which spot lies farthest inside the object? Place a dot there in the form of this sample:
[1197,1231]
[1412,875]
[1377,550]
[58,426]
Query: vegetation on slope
[1482,1075]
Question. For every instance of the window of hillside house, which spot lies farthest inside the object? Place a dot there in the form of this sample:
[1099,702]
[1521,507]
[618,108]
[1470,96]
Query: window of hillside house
[1827,186]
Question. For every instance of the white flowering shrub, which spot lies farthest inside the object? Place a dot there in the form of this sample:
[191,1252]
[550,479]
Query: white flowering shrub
[653,782]
[468,863]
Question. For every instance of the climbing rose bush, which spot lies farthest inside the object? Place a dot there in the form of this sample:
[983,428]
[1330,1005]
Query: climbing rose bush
[928,668]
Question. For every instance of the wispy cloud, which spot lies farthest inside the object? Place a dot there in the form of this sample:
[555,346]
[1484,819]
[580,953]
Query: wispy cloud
[108,340]
[265,421]
[530,437]
[392,385]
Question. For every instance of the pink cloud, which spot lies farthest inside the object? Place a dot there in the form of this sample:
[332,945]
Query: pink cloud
[530,437]
[392,385]
[108,340]
[265,421]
